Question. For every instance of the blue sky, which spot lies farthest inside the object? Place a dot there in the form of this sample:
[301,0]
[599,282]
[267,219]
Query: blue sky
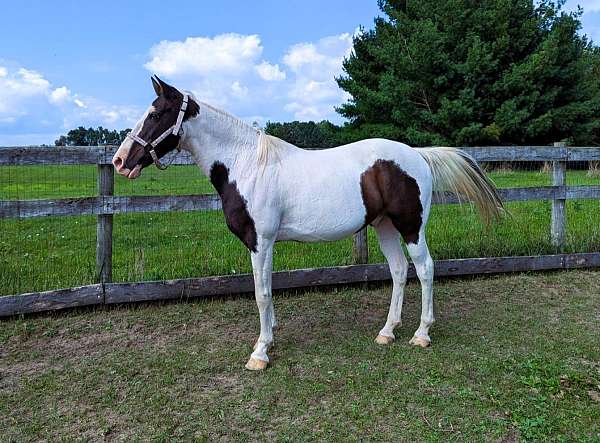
[70,63]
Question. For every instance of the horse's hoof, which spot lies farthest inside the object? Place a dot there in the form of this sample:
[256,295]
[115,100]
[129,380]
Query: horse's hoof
[255,364]
[384,340]
[420,341]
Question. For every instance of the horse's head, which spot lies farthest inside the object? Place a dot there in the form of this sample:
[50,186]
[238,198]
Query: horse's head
[157,133]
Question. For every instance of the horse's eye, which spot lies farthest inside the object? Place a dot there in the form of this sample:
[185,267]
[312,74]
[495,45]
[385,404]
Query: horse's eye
[155,115]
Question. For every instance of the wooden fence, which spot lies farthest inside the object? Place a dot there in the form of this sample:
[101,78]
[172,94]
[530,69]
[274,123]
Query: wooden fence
[105,204]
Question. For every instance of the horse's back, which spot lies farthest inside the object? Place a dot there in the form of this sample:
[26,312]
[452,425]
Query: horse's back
[349,162]
[322,191]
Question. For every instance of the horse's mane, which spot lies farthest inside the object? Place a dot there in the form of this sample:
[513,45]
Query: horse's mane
[268,146]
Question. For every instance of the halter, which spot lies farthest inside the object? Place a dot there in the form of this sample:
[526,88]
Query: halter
[174,129]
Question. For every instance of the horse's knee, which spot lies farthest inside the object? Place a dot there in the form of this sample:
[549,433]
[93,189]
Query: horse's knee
[399,273]
[424,268]
[263,300]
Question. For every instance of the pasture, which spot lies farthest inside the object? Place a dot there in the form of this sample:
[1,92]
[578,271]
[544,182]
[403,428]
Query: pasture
[53,252]
[514,358]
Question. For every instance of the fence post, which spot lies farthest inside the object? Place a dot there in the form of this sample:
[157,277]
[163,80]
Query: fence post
[104,225]
[360,247]
[558,227]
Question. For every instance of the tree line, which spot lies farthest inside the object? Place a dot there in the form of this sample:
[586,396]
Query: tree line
[91,137]
[457,72]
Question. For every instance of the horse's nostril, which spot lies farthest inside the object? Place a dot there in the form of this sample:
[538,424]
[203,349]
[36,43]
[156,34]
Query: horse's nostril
[118,162]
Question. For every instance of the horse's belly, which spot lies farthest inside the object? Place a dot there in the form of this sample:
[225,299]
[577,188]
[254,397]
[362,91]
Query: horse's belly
[326,220]
[316,235]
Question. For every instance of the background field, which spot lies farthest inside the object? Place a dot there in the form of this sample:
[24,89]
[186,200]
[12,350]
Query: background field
[54,252]
[514,358]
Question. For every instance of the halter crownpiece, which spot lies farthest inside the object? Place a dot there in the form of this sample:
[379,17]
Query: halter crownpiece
[175,129]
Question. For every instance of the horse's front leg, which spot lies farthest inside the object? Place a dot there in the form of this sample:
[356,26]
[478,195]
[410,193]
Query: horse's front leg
[262,266]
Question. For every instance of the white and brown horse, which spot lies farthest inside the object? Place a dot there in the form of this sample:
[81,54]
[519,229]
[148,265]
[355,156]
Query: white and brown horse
[274,191]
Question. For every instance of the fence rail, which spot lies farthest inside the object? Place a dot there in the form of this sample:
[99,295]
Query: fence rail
[92,155]
[110,204]
[189,288]
[105,204]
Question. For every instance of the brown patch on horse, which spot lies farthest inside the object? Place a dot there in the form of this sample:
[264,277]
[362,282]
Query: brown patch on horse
[234,206]
[389,191]
[166,109]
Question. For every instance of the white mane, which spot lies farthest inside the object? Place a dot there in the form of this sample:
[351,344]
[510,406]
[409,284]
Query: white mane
[268,147]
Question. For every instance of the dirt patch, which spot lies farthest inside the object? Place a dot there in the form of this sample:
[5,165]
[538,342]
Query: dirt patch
[513,436]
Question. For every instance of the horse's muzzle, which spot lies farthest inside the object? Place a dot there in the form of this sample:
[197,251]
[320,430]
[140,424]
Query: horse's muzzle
[120,162]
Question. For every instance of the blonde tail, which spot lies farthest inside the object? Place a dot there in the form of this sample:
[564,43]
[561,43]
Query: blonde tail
[456,171]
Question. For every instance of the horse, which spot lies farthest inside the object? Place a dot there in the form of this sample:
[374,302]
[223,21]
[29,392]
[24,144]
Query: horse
[274,191]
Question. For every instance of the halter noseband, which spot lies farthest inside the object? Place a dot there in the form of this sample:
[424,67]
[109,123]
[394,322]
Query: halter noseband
[174,129]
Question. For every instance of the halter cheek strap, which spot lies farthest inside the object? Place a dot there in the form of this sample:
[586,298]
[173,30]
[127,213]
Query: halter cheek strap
[175,129]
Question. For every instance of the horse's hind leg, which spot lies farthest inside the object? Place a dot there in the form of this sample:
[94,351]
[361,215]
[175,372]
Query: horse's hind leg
[419,253]
[389,242]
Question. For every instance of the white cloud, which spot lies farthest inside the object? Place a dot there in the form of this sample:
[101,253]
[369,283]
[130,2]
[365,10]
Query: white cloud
[269,72]
[30,105]
[94,112]
[114,114]
[18,89]
[29,82]
[223,54]
[314,92]
[321,58]
[239,90]
[302,54]
[220,70]
[304,111]
[60,95]
[228,71]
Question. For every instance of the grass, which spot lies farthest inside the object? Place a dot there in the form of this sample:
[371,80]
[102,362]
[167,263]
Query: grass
[514,358]
[52,252]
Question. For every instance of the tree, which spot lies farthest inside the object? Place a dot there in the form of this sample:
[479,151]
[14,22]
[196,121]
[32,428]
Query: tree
[468,72]
[91,137]
[307,135]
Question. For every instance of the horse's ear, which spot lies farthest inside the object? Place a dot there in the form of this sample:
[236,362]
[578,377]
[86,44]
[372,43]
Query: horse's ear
[168,90]
[157,86]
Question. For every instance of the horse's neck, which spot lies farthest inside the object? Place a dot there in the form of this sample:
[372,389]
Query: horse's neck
[214,137]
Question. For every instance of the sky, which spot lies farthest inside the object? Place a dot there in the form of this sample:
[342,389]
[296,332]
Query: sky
[69,63]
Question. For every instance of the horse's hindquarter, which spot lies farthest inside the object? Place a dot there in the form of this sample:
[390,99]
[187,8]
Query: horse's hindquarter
[321,190]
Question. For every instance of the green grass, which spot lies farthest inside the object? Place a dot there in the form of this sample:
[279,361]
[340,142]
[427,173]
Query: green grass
[514,358]
[53,252]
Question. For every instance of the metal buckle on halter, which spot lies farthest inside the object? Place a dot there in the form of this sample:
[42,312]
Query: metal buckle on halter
[157,161]
[175,129]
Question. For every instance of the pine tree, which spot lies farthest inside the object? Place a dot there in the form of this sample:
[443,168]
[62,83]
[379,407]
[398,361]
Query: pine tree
[467,72]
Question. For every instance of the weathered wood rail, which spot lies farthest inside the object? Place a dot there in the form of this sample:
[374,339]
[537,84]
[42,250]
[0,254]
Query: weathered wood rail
[190,288]
[105,204]
[112,204]
[92,155]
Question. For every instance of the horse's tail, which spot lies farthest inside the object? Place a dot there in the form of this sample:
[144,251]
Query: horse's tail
[456,171]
